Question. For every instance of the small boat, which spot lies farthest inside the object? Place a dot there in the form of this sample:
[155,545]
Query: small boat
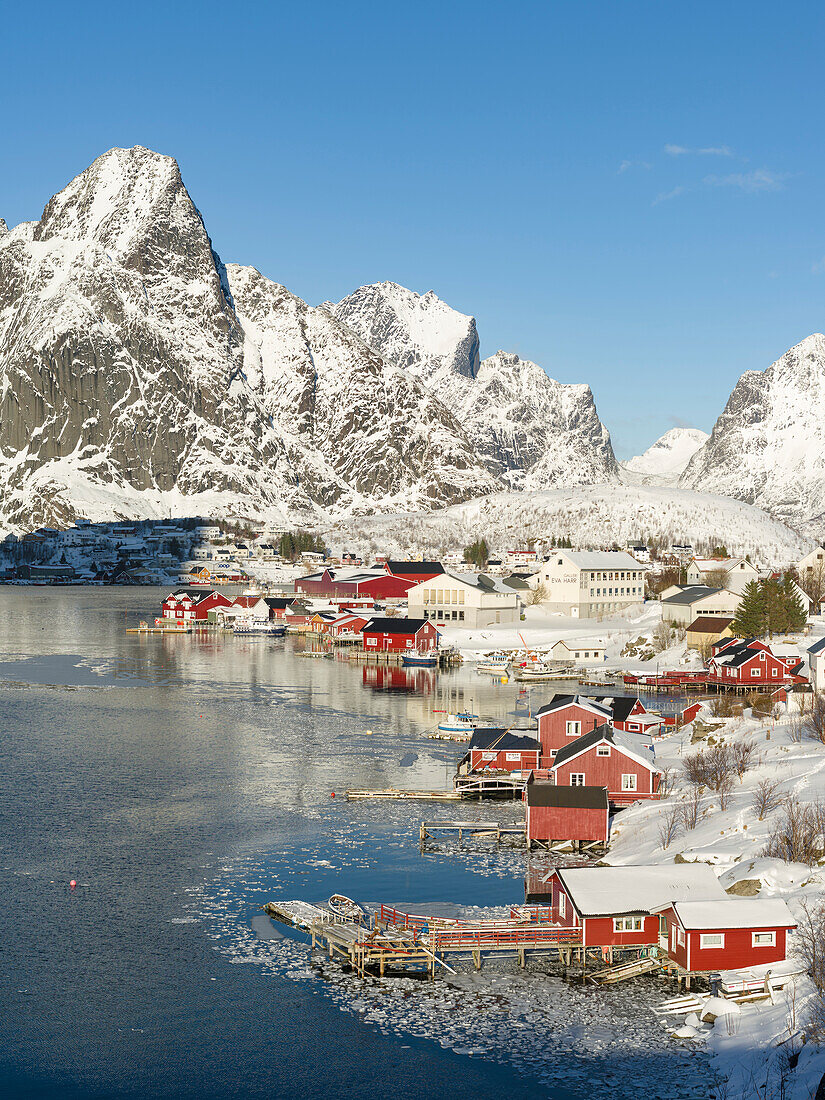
[347,909]
[259,627]
[545,672]
[417,659]
[493,662]
[595,679]
[458,723]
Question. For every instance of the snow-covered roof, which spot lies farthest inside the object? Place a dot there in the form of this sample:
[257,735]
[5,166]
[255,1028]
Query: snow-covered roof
[730,912]
[708,565]
[608,891]
[601,559]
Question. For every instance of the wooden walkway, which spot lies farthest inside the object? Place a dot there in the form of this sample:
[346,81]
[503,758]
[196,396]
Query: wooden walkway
[478,830]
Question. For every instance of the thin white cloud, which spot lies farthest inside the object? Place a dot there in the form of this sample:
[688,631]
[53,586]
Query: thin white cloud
[818,267]
[705,151]
[759,180]
[665,196]
[628,164]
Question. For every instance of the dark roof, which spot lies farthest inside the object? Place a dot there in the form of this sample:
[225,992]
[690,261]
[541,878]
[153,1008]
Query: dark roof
[600,733]
[558,701]
[817,647]
[710,624]
[622,706]
[194,593]
[541,792]
[691,594]
[394,626]
[279,601]
[415,567]
[500,739]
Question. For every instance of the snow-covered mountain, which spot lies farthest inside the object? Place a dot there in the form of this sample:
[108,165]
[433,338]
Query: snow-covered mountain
[664,462]
[531,431]
[768,446]
[138,376]
[589,515]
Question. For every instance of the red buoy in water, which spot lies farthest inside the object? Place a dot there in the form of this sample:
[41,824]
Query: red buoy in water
[72,884]
[332,795]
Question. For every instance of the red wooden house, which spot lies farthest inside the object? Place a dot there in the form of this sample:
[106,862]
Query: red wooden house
[566,717]
[578,814]
[193,605]
[374,585]
[278,606]
[348,626]
[415,572]
[620,906]
[751,664]
[727,933]
[501,750]
[611,759]
[386,635]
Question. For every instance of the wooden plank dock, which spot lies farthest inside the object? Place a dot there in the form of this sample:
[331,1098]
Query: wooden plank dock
[397,793]
[475,829]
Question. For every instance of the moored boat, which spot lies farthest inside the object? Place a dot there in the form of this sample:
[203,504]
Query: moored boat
[258,627]
[463,722]
[419,659]
[347,909]
[493,662]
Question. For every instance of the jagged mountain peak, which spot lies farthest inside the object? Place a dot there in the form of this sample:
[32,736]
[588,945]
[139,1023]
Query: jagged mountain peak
[768,445]
[417,332]
[665,461]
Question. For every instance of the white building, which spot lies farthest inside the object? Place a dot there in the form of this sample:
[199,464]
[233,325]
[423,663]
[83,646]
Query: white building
[584,651]
[816,663]
[738,572]
[468,599]
[681,605]
[590,584]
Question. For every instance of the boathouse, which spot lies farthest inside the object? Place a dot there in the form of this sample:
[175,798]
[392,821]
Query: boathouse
[567,717]
[501,750]
[751,664]
[727,933]
[390,635]
[622,906]
[577,814]
[353,584]
[623,763]
[414,572]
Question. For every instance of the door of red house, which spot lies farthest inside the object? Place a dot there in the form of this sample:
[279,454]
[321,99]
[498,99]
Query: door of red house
[385,642]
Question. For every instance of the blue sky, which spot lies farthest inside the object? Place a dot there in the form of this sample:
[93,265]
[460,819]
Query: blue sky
[629,193]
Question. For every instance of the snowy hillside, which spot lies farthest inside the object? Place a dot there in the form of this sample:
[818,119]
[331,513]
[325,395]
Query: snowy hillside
[664,462]
[530,430]
[132,380]
[768,446]
[590,516]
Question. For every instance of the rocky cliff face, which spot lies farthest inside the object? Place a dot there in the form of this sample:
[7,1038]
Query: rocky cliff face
[531,431]
[132,383]
[768,446]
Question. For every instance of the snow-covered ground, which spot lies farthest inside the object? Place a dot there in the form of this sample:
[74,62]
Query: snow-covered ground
[751,1050]
[591,515]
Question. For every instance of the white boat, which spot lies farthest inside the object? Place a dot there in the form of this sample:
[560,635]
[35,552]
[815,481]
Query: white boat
[546,672]
[259,627]
[493,662]
[458,723]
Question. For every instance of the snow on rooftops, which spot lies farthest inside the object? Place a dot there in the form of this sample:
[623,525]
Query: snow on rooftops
[602,559]
[691,593]
[734,913]
[607,891]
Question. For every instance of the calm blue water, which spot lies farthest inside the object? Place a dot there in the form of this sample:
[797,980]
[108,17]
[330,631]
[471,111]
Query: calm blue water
[183,783]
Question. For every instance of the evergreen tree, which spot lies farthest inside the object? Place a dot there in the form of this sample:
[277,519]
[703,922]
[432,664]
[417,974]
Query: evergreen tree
[795,608]
[477,553]
[749,620]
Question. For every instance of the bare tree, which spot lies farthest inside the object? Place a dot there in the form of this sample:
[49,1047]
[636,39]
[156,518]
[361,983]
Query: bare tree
[810,945]
[814,722]
[766,797]
[661,636]
[691,807]
[724,791]
[669,825]
[536,595]
[797,836]
[742,753]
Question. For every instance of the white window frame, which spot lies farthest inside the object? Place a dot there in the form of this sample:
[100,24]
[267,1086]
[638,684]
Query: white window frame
[628,924]
[705,936]
[572,729]
[630,781]
[680,935]
[562,904]
[577,779]
[603,750]
[771,942]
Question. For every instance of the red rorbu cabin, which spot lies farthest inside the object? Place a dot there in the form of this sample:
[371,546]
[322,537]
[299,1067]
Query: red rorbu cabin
[577,814]
[751,664]
[566,717]
[620,906]
[622,763]
[501,750]
[727,933]
[387,635]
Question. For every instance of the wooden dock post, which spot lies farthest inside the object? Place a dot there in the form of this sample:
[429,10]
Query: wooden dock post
[477,959]
[521,957]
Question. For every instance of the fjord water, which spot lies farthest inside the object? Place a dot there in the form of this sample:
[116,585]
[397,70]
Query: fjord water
[183,782]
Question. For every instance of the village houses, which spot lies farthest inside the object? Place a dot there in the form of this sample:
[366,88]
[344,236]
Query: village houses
[466,599]
[683,604]
[728,573]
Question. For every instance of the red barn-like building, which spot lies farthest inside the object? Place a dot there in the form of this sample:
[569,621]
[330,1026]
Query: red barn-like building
[578,814]
[193,605]
[620,906]
[501,750]
[415,572]
[728,933]
[375,585]
[605,758]
[750,664]
[565,718]
[399,635]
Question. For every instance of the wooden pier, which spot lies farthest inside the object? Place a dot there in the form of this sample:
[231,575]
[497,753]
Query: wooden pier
[478,830]
[396,793]
[393,939]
